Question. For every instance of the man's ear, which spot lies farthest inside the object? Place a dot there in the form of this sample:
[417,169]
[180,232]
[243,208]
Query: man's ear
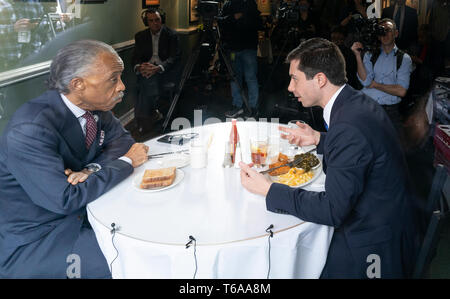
[321,79]
[77,85]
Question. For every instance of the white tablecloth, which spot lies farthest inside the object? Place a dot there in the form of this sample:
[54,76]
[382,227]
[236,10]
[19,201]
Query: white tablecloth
[210,204]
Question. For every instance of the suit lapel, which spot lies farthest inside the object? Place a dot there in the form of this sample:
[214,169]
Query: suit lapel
[340,101]
[162,42]
[69,126]
[150,43]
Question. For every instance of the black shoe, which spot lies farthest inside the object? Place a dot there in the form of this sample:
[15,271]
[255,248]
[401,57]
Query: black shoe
[254,114]
[234,113]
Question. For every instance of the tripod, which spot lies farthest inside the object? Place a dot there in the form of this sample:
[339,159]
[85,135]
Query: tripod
[212,35]
[291,35]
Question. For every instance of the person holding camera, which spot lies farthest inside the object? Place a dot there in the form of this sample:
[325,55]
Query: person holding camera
[385,73]
[156,52]
[22,29]
[240,23]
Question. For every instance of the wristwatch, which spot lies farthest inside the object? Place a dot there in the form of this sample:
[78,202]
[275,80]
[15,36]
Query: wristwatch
[93,167]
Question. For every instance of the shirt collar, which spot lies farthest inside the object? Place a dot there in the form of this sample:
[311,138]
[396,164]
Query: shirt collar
[157,33]
[77,111]
[329,106]
[393,51]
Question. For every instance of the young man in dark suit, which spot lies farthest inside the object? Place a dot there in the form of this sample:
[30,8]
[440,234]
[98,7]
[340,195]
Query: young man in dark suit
[156,53]
[406,21]
[366,199]
[59,152]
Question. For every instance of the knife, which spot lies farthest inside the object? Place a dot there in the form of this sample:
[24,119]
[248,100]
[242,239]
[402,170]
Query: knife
[290,164]
[167,153]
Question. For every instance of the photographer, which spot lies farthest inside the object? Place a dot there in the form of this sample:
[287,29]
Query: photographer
[385,80]
[240,23]
[22,29]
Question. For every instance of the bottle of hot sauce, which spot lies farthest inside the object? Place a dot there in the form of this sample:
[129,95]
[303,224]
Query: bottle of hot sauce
[234,139]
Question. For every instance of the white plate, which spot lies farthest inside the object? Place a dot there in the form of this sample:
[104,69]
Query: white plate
[175,160]
[179,175]
[317,171]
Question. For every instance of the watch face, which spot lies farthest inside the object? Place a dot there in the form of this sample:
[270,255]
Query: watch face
[94,167]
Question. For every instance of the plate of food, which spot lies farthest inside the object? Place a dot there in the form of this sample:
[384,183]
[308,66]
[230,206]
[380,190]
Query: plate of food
[300,174]
[153,180]
[175,160]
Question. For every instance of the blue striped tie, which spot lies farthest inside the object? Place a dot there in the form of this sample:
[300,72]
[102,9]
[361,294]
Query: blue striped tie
[325,124]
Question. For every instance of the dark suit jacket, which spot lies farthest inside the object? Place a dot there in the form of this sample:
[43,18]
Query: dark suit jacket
[410,26]
[168,48]
[366,200]
[40,212]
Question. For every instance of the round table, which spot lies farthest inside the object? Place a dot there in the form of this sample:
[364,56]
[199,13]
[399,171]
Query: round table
[227,222]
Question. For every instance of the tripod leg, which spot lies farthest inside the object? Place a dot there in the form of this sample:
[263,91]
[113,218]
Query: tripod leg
[233,75]
[185,75]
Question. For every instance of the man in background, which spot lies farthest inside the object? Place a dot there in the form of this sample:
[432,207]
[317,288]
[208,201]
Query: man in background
[406,21]
[240,24]
[156,53]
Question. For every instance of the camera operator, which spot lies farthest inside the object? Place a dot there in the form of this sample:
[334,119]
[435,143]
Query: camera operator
[385,81]
[349,14]
[240,23]
[306,25]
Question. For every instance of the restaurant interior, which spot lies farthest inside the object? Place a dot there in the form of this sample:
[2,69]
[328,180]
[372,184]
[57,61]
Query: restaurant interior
[206,93]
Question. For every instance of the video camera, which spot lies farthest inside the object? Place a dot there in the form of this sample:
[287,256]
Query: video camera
[368,31]
[289,12]
[208,9]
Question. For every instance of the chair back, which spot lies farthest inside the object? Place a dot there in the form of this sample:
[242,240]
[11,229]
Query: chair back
[438,204]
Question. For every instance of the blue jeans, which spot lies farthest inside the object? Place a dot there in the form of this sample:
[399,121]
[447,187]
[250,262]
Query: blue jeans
[245,63]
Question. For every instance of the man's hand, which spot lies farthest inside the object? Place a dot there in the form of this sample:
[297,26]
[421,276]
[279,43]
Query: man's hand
[238,15]
[373,84]
[23,25]
[137,154]
[356,48]
[147,69]
[254,181]
[75,177]
[301,136]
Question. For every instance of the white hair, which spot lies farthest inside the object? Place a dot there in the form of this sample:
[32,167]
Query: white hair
[73,61]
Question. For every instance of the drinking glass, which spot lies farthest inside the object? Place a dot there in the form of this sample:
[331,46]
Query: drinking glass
[258,149]
[293,125]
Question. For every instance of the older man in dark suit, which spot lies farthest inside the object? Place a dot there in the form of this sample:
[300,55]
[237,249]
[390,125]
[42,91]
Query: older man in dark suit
[406,21]
[156,53]
[366,197]
[59,152]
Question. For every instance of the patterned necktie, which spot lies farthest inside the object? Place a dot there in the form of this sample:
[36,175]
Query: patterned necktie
[325,124]
[91,129]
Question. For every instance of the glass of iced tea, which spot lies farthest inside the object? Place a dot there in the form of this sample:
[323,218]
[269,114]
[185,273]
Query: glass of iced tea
[258,148]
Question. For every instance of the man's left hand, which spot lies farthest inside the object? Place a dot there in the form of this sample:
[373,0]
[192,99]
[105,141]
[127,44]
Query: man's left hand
[75,177]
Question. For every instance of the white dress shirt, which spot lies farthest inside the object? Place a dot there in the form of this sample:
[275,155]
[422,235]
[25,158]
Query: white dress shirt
[329,106]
